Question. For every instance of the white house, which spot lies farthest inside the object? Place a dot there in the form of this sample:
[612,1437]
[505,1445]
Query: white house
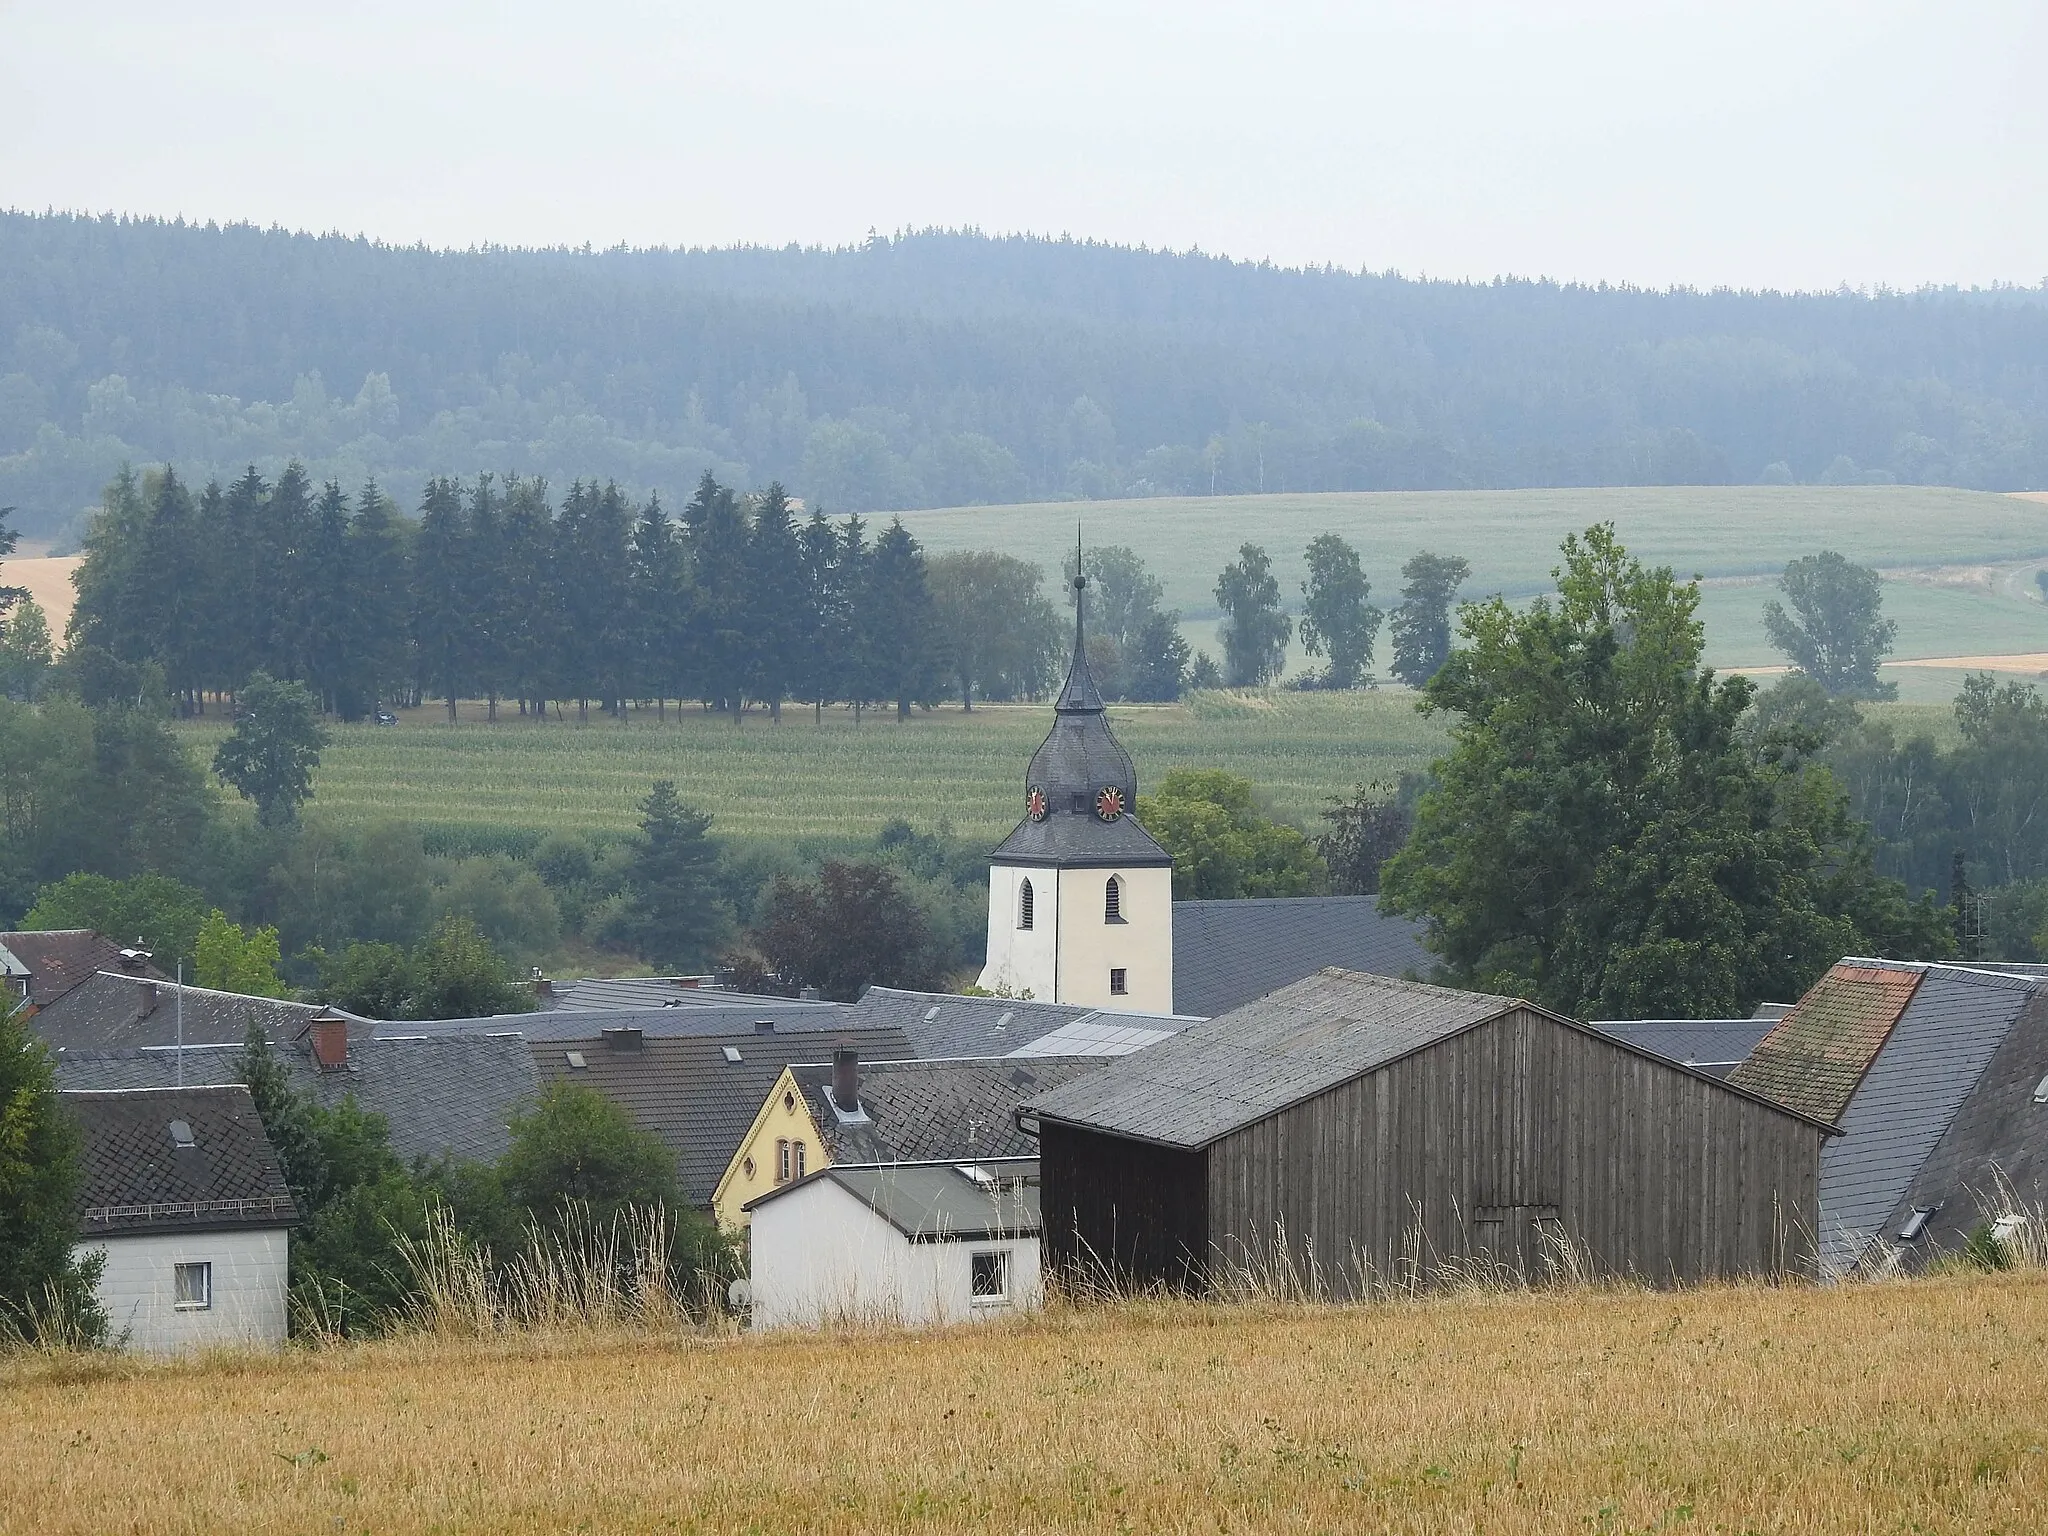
[183,1195]
[914,1244]
[1080,897]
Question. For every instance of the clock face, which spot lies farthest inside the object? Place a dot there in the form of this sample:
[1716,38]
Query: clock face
[1109,803]
[1034,803]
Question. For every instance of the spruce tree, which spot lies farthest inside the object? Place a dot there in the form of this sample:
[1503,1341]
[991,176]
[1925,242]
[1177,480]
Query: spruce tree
[177,606]
[816,671]
[487,592]
[288,530]
[899,627]
[378,653]
[530,594]
[776,602]
[657,605]
[332,641]
[675,917]
[441,591]
[850,664]
[718,610]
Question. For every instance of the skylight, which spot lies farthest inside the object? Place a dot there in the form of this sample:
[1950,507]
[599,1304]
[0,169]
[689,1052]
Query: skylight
[181,1134]
[732,1052]
[575,1060]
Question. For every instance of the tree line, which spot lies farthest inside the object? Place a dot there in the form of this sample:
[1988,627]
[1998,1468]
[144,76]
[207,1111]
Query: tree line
[937,368]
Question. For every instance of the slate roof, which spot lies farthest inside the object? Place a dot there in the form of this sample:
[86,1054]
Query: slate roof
[139,1176]
[684,1089]
[1225,953]
[925,1111]
[610,993]
[1079,758]
[944,1026]
[1929,1063]
[110,1011]
[1712,1046]
[727,1018]
[936,1203]
[1225,1073]
[58,959]
[453,1096]
[1815,1056]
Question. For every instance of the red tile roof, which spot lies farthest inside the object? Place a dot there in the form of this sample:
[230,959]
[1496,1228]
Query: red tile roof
[1815,1056]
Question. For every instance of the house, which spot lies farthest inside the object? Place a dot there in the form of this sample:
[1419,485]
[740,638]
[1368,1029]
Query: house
[118,1010]
[1935,1074]
[182,1193]
[1080,897]
[1227,953]
[607,994]
[913,1244]
[820,1115]
[1351,1129]
[451,1096]
[698,1094]
[945,1027]
[42,966]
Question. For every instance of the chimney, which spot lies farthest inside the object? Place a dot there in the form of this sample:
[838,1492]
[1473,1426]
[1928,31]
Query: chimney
[764,1026]
[328,1035]
[623,1037]
[845,1079]
[542,987]
[808,995]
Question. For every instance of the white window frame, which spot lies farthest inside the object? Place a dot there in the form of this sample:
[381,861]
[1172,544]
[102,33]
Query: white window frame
[203,1269]
[1000,1258]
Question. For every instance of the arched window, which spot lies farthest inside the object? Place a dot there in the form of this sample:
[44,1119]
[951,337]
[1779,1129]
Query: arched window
[1024,905]
[1113,901]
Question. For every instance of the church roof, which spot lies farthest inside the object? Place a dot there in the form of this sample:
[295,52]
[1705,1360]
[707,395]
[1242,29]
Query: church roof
[1077,764]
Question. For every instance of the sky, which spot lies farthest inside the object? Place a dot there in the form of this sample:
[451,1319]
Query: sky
[1788,144]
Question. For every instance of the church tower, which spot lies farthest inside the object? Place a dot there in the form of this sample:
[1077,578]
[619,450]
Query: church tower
[1080,898]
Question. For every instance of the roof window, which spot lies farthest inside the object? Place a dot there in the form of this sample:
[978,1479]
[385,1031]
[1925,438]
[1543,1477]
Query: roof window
[931,1013]
[732,1052]
[181,1134]
[1916,1223]
[575,1060]
[2041,1091]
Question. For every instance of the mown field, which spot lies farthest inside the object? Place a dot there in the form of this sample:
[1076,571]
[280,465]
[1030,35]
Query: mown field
[1511,538]
[1908,1407]
[802,780]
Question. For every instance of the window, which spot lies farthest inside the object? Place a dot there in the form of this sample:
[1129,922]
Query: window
[799,1159]
[747,1167]
[782,1161]
[1118,983]
[731,1053]
[1024,905]
[194,1286]
[1113,901]
[989,1275]
[788,1102]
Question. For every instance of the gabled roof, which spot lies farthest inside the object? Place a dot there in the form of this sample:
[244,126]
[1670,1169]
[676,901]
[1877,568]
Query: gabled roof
[946,1026]
[738,1013]
[923,1111]
[1928,1064]
[1220,1075]
[58,959]
[1814,1057]
[647,992]
[175,1160]
[1713,1046]
[452,1096]
[686,1089]
[111,1011]
[1226,953]
[937,1203]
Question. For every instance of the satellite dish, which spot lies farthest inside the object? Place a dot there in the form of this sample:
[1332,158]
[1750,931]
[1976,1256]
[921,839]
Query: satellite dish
[740,1295]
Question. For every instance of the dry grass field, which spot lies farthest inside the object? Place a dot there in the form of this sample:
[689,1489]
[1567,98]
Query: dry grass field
[1910,1407]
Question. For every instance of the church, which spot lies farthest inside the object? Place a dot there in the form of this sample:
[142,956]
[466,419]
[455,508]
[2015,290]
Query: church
[1080,895]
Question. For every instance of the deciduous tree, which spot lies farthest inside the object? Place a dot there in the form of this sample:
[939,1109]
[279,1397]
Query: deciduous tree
[1836,632]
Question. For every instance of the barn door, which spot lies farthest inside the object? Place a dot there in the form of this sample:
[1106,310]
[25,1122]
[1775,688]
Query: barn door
[1521,1239]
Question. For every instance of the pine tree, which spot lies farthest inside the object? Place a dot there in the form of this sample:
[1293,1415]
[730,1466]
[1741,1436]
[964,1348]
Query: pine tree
[899,626]
[441,591]
[675,917]
[776,602]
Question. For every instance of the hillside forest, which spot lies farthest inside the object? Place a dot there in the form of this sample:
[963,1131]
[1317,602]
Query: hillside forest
[945,368]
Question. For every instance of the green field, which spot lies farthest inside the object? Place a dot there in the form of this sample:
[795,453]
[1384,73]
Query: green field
[1511,538]
[801,780]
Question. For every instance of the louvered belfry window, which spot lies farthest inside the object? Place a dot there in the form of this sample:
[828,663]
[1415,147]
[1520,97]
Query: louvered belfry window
[1113,901]
[1024,905]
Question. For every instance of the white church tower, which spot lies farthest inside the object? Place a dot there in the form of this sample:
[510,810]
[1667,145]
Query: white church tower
[1080,898]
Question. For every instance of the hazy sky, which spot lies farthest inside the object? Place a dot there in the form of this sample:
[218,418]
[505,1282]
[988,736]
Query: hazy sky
[1789,142]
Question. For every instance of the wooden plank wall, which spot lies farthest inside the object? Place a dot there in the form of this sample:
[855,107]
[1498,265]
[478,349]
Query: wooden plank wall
[1502,1141]
[1126,1207]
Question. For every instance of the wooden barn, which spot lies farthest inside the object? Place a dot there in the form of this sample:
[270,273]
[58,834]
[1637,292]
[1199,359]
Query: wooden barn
[1351,1130]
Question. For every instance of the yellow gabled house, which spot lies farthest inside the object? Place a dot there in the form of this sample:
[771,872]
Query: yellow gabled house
[850,1111]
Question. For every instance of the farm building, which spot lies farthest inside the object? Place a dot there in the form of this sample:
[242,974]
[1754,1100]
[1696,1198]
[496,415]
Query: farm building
[1352,1128]
[904,1243]
[819,1115]
[1938,1077]
[182,1193]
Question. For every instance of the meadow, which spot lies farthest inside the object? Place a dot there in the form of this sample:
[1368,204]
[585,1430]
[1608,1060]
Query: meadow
[1722,533]
[943,769]
[1901,1406]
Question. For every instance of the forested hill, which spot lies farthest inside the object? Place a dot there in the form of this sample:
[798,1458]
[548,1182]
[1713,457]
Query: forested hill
[940,368]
